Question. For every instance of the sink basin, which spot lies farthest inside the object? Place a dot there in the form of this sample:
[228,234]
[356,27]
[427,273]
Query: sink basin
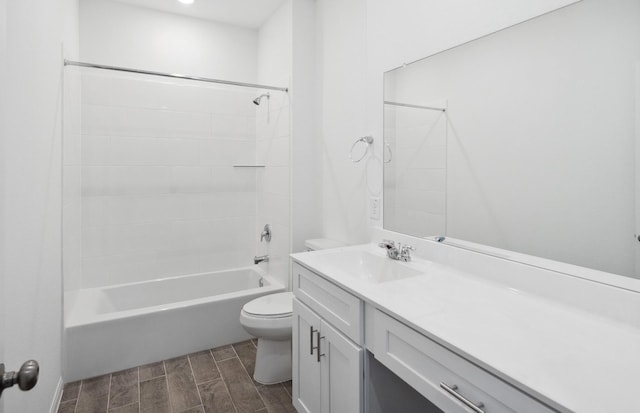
[367,266]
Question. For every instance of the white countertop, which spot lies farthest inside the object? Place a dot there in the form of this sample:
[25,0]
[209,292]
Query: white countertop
[571,359]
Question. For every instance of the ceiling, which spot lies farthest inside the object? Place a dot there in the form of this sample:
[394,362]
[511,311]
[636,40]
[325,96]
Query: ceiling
[245,13]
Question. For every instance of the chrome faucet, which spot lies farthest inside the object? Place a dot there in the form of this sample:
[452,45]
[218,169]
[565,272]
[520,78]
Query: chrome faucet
[400,253]
[405,252]
[260,258]
[392,251]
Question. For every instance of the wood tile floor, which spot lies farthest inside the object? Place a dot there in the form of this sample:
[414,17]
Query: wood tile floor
[218,380]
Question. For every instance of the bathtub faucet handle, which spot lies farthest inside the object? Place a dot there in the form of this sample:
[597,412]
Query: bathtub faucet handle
[266,233]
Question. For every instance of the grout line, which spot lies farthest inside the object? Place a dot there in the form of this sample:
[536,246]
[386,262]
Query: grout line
[152,377]
[286,391]
[139,396]
[228,358]
[255,383]
[210,381]
[109,392]
[223,380]
[252,381]
[126,405]
[261,398]
[77,398]
[166,382]
[74,406]
[195,382]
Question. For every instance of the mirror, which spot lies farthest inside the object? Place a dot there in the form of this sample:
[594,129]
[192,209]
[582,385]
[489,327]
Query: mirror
[524,139]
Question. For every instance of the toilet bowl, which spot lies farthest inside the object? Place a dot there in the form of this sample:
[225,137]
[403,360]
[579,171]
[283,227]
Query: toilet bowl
[269,318]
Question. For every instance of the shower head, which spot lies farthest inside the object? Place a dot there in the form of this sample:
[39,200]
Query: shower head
[257,100]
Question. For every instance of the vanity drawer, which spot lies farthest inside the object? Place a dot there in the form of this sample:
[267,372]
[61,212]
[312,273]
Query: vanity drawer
[428,367]
[340,308]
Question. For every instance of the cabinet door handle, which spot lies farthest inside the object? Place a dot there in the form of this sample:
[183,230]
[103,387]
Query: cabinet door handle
[318,337]
[311,347]
[476,407]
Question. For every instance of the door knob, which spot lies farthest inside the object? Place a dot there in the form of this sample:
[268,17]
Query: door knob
[26,377]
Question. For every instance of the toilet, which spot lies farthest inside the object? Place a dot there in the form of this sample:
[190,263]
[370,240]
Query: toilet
[270,319]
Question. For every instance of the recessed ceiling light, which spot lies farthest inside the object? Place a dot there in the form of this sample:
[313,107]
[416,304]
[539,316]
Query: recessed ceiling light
[186,1]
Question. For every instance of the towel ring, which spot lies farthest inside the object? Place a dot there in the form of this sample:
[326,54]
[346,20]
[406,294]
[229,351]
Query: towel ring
[368,140]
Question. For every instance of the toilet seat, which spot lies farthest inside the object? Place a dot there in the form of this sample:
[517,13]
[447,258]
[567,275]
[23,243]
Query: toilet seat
[269,316]
[278,305]
[270,319]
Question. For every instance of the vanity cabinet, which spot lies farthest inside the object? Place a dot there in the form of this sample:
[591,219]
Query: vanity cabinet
[327,361]
[441,338]
[331,328]
[446,379]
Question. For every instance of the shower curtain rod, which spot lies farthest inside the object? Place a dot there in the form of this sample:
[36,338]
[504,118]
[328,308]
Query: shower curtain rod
[407,105]
[172,75]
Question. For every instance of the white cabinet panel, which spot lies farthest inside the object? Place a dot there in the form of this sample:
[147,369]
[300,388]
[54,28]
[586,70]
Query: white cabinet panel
[427,367]
[327,366]
[342,309]
[306,369]
[342,380]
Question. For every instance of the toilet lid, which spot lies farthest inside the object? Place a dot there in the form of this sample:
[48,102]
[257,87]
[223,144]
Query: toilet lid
[270,305]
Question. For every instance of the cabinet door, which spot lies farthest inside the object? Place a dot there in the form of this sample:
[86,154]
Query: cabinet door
[306,368]
[342,370]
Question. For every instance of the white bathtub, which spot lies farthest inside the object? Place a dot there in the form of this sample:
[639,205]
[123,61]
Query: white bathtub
[117,327]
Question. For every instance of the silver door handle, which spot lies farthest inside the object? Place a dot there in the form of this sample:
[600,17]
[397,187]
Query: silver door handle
[476,407]
[26,378]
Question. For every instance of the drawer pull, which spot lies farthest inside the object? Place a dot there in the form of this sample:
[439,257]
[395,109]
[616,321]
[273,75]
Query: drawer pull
[311,347]
[318,338]
[476,407]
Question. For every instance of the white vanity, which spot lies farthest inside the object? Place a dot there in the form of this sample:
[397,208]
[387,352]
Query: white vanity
[468,331]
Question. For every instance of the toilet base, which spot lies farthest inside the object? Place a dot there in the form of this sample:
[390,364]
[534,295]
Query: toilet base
[273,361]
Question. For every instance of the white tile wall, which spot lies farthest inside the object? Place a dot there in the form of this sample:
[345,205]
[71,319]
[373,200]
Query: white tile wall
[273,198]
[415,180]
[72,181]
[160,196]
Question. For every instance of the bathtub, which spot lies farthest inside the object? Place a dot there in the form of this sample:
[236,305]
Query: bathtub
[117,327]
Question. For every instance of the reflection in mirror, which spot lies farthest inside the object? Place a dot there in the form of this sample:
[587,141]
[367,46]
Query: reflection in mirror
[415,168]
[535,152]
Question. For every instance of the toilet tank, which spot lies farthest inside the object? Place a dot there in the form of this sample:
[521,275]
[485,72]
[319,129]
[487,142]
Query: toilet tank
[322,244]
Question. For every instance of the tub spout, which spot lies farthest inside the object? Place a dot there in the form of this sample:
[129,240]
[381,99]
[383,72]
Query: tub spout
[260,258]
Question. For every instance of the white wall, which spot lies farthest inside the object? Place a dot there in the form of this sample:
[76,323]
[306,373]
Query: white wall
[306,147]
[274,142]
[358,41]
[31,196]
[3,105]
[343,68]
[274,47]
[117,34]
[72,162]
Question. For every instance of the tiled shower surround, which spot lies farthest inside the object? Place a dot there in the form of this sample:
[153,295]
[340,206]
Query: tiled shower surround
[160,193]
[217,380]
[415,170]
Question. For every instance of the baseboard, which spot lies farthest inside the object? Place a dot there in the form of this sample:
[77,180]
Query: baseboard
[57,397]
